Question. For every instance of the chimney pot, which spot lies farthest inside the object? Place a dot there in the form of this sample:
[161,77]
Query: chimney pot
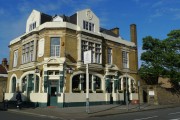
[4,62]
[133,33]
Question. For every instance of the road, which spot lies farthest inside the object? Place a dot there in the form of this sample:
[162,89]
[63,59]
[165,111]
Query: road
[9,115]
[158,114]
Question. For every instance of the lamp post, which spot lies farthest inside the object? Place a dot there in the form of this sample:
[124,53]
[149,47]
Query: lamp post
[126,79]
[87,61]
[127,104]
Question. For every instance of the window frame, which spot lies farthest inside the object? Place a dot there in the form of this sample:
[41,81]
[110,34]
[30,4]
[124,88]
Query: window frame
[28,52]
[55,50]
[88,26]
[125,59]
[96,49]
[15,58]
[109,55]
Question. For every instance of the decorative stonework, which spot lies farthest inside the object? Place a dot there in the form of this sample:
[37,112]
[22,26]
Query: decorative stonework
[89,15]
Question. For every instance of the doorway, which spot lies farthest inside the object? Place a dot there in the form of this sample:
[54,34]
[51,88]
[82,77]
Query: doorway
[53,96]
[144,96]
[53,90]
[111,90]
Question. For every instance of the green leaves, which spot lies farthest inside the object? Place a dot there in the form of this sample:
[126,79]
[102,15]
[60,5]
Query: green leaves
[161,58]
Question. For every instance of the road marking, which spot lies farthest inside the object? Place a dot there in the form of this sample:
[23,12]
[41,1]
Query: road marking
[40,115]
[174,113]
[146,118]
[175,119]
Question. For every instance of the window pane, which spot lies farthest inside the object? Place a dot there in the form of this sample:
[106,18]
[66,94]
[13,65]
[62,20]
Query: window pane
[125,59]
[55,47]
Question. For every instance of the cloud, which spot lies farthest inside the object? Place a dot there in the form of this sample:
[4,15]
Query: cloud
[169,13]
[159,3]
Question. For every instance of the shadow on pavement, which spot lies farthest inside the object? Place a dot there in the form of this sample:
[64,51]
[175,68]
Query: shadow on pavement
[106,109]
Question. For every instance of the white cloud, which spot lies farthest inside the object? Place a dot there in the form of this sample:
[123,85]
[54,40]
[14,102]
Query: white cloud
[158,3]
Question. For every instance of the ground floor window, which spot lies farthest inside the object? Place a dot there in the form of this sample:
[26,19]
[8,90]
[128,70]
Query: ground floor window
[30,83]
[13,87]
[126,83]
[79,83]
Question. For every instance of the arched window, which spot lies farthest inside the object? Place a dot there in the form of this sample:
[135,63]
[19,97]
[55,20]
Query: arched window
[13,85]
[37,84]
[97,83]
[131,86]
[79,83]
[76,83]
[29,84]
[24,83]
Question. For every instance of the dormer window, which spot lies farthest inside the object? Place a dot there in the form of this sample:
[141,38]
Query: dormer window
[88,26]
[32,26]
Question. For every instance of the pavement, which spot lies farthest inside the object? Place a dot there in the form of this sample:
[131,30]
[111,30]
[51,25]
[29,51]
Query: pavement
[71,113]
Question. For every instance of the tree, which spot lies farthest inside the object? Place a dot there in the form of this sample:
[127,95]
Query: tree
[161,58]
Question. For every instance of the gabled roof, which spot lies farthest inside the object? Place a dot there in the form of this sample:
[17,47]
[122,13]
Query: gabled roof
[3,70]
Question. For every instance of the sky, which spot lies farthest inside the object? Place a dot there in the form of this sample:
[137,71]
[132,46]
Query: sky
[154,18]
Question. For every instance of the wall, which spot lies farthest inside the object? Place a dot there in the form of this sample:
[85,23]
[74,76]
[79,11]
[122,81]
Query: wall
[3,84]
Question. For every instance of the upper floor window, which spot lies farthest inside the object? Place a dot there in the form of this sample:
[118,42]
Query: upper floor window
[88,26]
[55,47]
[15,60]
[125,59]
[32,26]
[95,48]
[109,52]
[28,52]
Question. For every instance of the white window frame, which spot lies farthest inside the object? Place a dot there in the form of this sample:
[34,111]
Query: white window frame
[88,26]
[32,26]
[55,50]
[15,60]
[125,59]
[28,52]
[109,54]
[96,49]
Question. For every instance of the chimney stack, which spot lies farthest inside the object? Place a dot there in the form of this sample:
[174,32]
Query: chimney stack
[4,62]
[115,31]
[133,33]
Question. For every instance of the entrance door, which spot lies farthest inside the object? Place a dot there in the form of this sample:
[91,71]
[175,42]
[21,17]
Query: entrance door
[111,90]
[53,95]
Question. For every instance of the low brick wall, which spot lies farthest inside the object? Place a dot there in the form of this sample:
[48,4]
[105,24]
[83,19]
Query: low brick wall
[167,96]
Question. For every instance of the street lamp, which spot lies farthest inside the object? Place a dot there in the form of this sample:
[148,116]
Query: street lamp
[36,70]
[126,79]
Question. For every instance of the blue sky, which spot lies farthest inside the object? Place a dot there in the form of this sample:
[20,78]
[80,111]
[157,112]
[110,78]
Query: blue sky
[152,17]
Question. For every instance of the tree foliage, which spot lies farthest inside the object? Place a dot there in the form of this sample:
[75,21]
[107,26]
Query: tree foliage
[161,58]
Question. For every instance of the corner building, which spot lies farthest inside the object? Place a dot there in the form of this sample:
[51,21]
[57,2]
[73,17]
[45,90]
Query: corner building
[47,61]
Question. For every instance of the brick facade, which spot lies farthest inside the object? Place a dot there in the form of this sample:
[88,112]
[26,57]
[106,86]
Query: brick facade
[57,68]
